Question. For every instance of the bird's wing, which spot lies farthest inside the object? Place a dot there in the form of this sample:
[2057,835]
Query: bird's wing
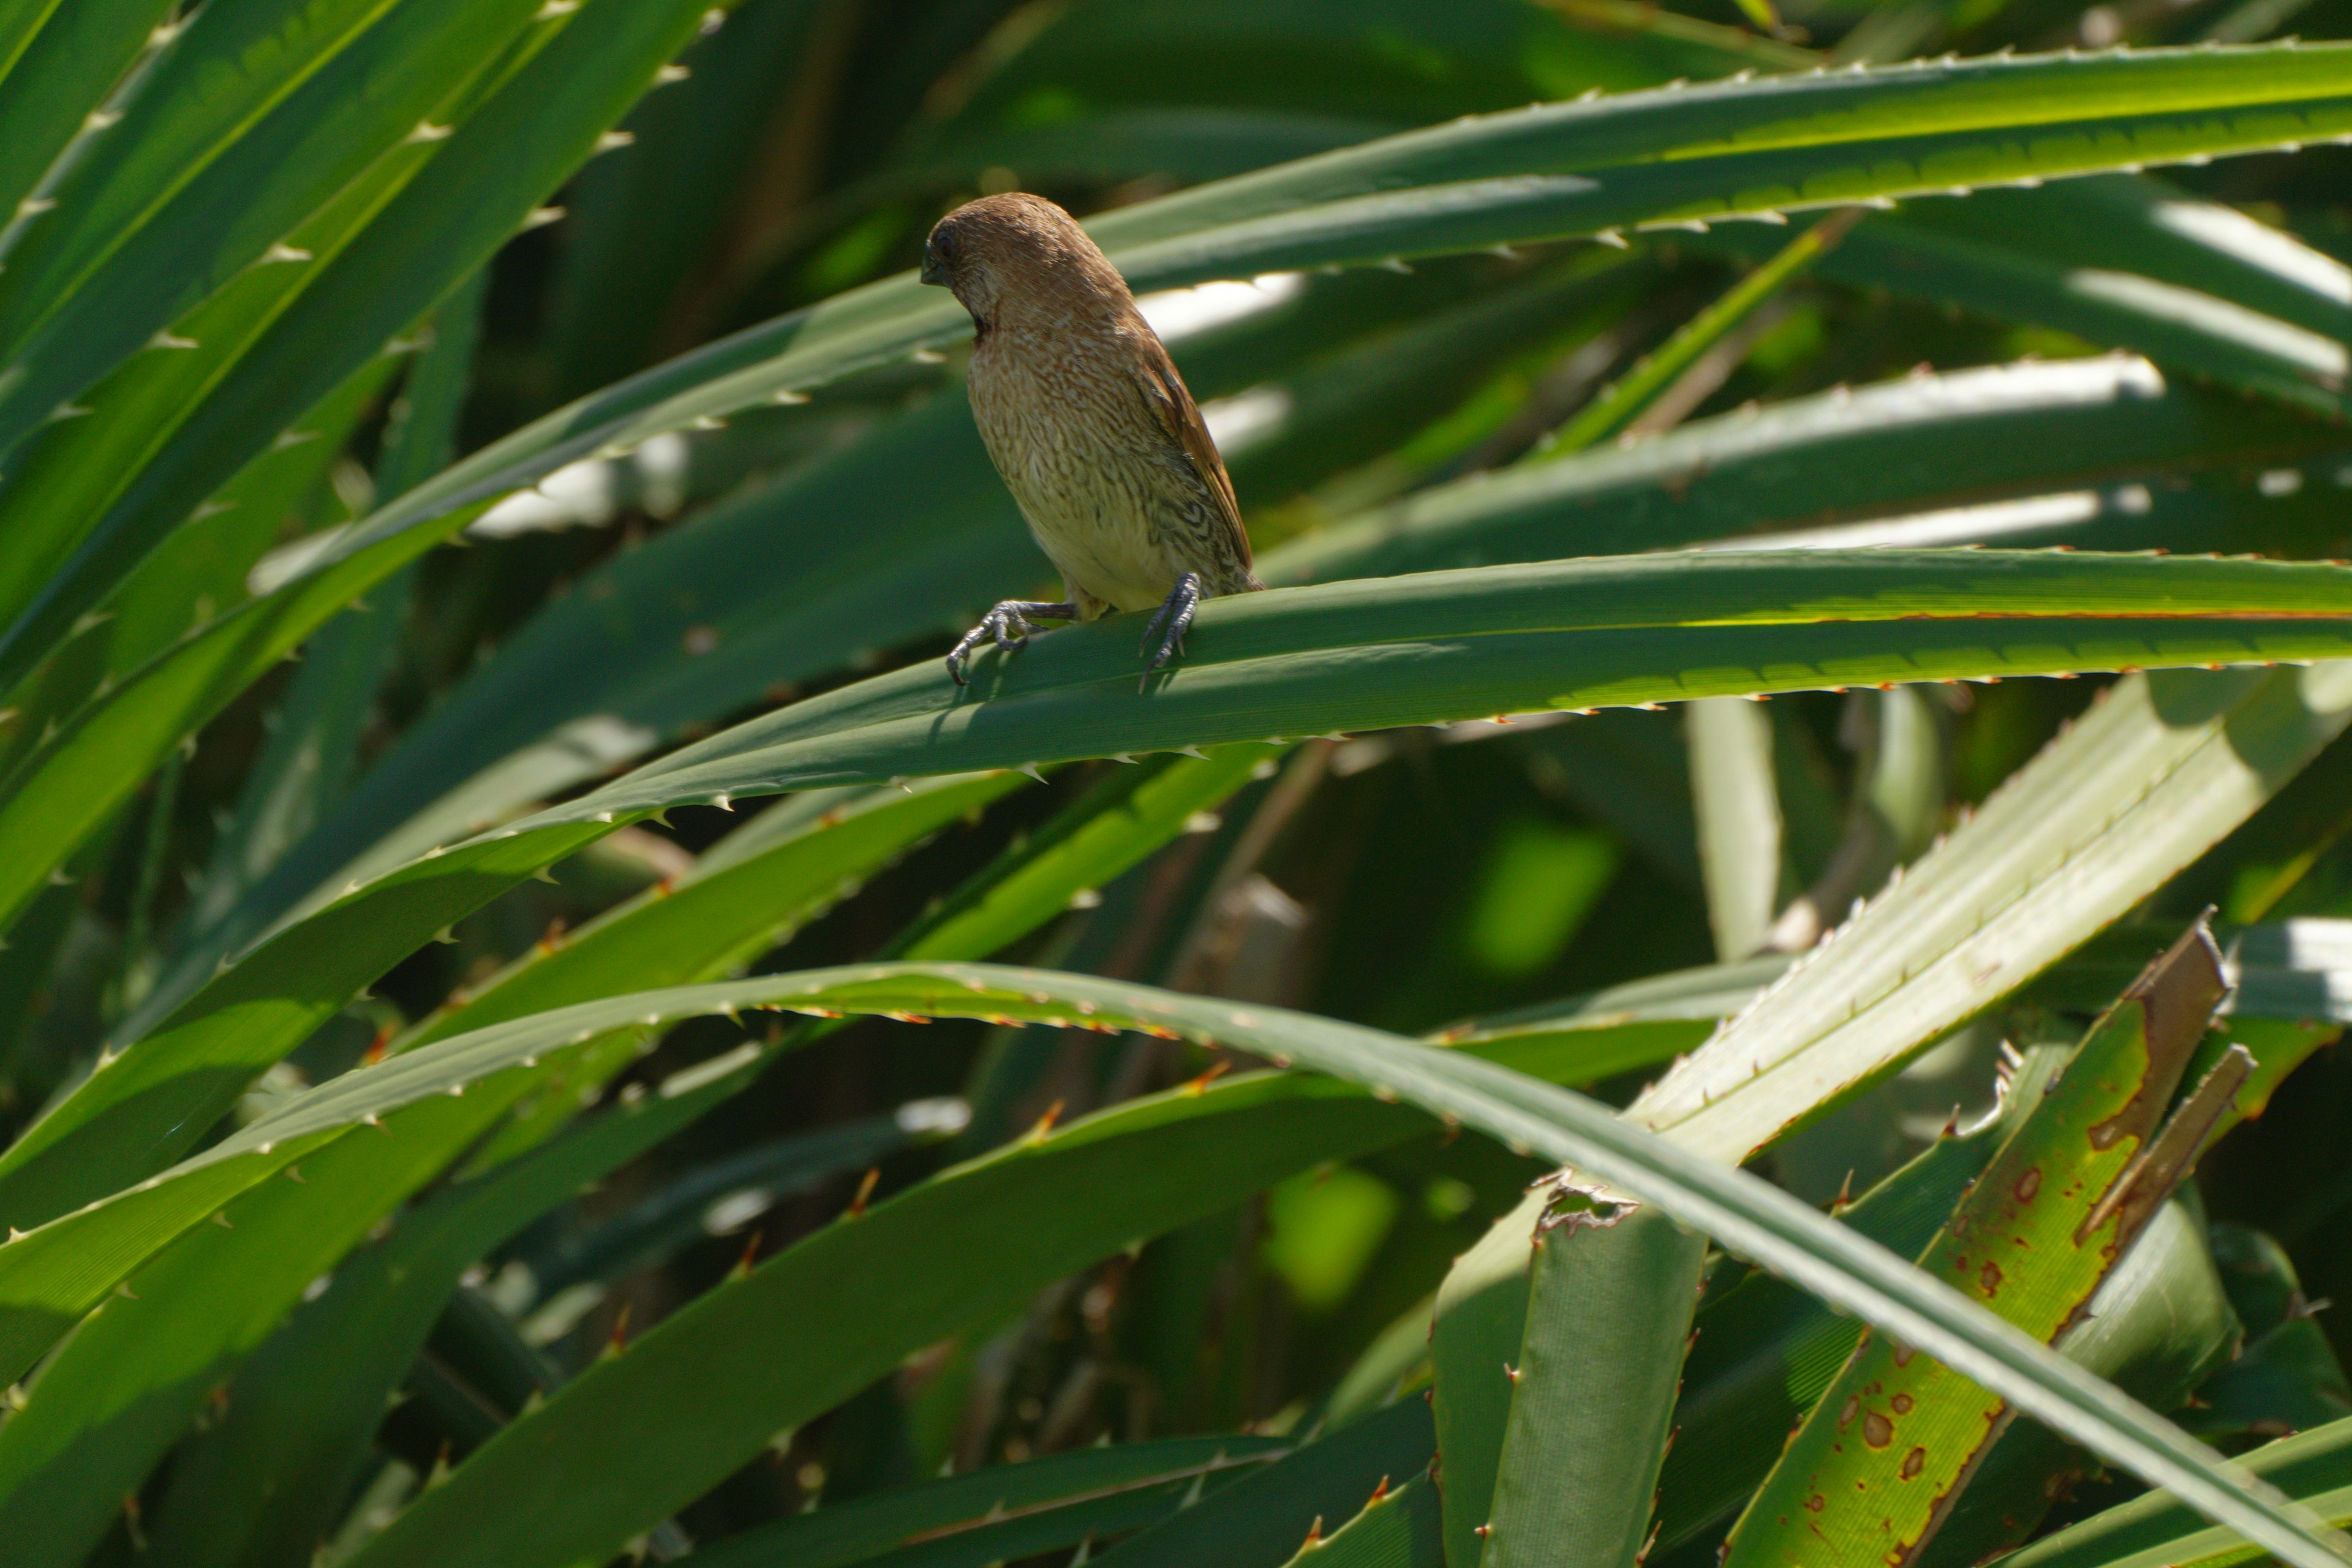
[1165,392]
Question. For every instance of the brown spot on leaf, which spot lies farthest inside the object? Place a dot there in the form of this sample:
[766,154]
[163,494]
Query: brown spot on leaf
[2175,996]
[1913,1463]
[1877,1430]
[1817,1502]
[1902,1405]
[1903,1354]
[1989,1279]
[1853,1408]
[2028,1185]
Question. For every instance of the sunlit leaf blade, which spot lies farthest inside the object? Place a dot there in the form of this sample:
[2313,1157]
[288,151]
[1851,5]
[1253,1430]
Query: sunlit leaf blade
[217,1285]
[749,892]
[1737,148]
[1372,654]
[603,689]
[1619,408]
[2160,1322]
[134,1112]
[867,327]
[1765,1351]
[51,1276]
[66,484]
[230,1272]
[1739,821]
[308,761]
[2043,864]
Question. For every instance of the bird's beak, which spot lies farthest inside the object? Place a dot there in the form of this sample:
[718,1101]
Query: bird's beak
[932,271]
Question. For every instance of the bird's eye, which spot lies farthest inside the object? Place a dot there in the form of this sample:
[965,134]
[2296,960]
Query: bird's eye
[943,248]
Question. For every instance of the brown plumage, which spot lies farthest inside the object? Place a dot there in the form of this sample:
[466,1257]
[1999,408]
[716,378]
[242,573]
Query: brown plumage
[1089,425]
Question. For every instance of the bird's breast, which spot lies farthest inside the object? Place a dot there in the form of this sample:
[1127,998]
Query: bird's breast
[1098,478]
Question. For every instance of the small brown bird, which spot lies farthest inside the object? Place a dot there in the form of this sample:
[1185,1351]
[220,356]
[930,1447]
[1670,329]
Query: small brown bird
[1091,425]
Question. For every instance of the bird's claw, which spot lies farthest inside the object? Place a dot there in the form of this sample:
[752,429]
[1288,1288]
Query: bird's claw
[1176,612]
[1009,627]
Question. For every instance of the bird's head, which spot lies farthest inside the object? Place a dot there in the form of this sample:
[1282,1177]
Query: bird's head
[1018,251]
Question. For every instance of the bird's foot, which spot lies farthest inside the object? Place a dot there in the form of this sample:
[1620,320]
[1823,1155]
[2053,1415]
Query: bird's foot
[1172,620]
[1009,627]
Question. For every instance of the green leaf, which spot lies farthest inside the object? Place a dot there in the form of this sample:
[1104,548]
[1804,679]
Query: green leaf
[1258,1521]
[1611,1292]
[189,1068]
[851,1299]
[749,892]
[267,1476]
[129,1379]
[1738,809]
[1766,1350]
[1110,829]
[1392,651]
[201,569]
[59,62]
[51,1277]
[1379,60]
[2128,261]
[1897,1436]
[1616,407]
[259,119]
[2316,1466]
[788,866]
[142,1108]
[1915,445]
[2280,971]
[1057,1501]
[1402,1528]
[2159,1322]
[612,670]
[737,1189]
[2209,758]
[676,632]
[1669,157]
[1741,1212]
[2048,859]
[307,762]
[1455,151]
[1447,645]
[480,186]
[2287,1377]
[1985,430]
[643,234]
